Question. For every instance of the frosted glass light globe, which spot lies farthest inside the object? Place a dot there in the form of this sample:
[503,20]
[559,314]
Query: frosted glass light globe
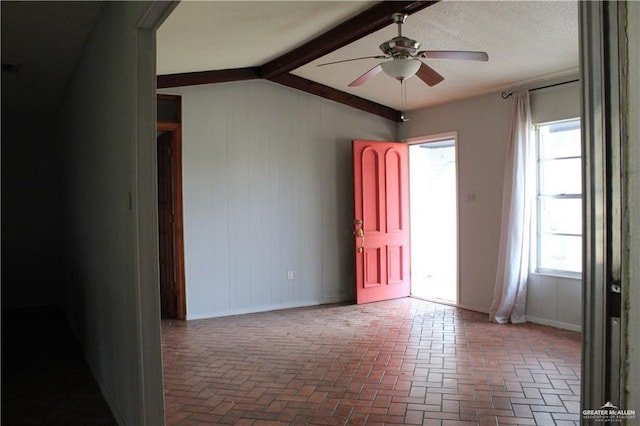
[401,69]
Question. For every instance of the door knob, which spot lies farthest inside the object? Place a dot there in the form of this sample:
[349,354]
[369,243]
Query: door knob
[360,233]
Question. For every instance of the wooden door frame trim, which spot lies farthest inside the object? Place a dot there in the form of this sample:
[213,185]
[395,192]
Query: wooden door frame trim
[176,134]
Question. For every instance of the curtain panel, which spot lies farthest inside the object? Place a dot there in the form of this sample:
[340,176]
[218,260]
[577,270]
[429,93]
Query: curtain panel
[510,292]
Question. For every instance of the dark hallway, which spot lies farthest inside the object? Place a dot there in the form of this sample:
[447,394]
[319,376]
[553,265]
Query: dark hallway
[45,379]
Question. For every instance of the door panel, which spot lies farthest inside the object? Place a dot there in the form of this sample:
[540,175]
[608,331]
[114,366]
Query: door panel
[395,270]
[373,274]
[371,192]
[166,232]
[381,192]
[394,182]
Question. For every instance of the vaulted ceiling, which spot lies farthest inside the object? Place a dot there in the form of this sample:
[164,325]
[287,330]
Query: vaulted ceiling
[210,41]
[284,41]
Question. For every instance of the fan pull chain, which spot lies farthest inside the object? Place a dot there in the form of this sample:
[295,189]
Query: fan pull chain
[403,100]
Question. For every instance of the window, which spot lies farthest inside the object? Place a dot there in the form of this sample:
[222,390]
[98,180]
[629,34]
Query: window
[559,198]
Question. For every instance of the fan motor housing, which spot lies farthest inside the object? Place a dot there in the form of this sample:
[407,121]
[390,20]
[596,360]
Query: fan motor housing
[400,47]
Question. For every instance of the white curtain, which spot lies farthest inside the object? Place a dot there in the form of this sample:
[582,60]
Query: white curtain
[510,293]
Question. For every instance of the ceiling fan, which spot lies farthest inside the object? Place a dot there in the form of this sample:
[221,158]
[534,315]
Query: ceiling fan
[405,58]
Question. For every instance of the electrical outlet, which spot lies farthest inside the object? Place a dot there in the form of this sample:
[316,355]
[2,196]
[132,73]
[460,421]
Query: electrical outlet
[289,275]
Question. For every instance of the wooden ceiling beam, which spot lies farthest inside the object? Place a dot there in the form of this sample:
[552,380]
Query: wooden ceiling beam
[207,77]
[361,25]
[339,96]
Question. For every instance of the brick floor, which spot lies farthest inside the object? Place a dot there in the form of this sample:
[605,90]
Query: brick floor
[404,361]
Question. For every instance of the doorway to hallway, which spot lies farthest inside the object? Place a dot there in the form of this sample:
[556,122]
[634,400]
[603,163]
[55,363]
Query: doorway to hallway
[434,219]
[170,217]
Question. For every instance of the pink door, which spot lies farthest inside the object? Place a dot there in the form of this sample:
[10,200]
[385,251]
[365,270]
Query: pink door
[381,225]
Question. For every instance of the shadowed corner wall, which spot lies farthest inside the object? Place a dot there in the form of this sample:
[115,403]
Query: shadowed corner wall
[32,196]
[112,294]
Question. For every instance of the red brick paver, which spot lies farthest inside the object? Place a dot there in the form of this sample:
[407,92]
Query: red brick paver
[404,361]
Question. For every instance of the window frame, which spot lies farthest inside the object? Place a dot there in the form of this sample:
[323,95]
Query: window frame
[537,223]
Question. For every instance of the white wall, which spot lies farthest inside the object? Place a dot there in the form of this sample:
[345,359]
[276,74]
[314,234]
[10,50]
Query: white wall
[556,103]
[482,126]
[555,301]
[111,304]
[551,300]
[268,188]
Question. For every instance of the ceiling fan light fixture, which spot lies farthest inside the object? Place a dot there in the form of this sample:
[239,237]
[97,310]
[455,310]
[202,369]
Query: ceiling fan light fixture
[401,68]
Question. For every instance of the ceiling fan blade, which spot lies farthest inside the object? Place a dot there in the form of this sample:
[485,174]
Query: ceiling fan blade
[454,54]
[354,59]
[366,76]
[429,75]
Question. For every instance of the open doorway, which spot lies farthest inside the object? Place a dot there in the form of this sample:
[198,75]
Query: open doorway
[434,218]
[170,220]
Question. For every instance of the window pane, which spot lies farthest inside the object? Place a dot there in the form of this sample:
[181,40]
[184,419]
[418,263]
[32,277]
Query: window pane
[560,177]
[560,139]
[562,215]
[560,252]
[560,218]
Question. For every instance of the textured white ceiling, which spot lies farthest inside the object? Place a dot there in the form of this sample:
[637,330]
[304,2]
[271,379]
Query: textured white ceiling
[214,35]
[525,40]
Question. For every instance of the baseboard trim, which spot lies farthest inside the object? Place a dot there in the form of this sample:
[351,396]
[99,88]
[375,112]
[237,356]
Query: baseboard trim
[336,299]
[556,324]
[255,309]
